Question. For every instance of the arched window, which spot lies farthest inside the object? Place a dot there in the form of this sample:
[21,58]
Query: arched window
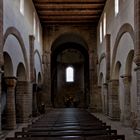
[104,24]
[116,7]
[69,74]
[22,6]
[101,32]
[34,23]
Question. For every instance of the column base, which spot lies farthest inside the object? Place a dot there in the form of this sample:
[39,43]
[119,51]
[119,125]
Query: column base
[10,127]
[126,123]
[113,118]
[137,131]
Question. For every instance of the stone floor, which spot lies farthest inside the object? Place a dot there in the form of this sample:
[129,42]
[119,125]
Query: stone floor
[127,131]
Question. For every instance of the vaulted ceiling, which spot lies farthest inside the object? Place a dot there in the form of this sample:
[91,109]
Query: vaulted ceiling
[55,12]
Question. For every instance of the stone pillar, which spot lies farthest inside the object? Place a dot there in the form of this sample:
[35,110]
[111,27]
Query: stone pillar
[46,91]
[138,98]
[114,107]
[1,50]
[94,91]
[137,55]
[0,97]
[107,37]
[105,92]
[1,33]
[31,43]
[34,100]
[91,90]
[127,102]
[24,100]
[10,102]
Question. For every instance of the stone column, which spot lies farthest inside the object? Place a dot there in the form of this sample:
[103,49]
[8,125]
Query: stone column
[0,97]
[114,107]
[105,92]
[1,50]
[137,55]
[127,102]
[10,102]
[94,91]
[24,100]
[137,127]
[107,37]
[34,100]
[1,33]
[47,80]
[91,90]
[31,43]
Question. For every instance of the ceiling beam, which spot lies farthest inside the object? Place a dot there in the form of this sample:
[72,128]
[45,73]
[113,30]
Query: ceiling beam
[77,12]
[69,1]
[68,18]
[70,22]
[42,7]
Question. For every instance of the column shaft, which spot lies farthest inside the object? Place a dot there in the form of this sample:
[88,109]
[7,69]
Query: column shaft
[10,103]
[114,107]
[127,105]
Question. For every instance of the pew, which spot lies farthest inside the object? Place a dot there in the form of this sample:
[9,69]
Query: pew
[71,124]
[102,137]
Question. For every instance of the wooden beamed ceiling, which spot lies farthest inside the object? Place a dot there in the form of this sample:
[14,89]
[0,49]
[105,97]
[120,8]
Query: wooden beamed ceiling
[54,12]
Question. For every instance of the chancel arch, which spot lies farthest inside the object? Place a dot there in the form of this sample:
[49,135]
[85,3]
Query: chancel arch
[74,56]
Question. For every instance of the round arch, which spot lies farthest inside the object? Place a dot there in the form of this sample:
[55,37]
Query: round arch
[38,54]
[68,37]
[124,28]
[70,44]
[39,78]
[8,65]
[101,79]
[16,33]
[21,72]
[117,70]
[101,57]
[129,60]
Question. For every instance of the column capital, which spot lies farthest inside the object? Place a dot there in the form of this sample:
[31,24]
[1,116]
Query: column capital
[32,37]
[126,78]
[10,81]
[105,84]
[113,80]
[137,68]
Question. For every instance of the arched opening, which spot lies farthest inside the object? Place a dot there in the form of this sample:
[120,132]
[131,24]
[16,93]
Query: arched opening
[117,70]
[38,95]
[39,78]
[8,71]
[3,101]
[116,91]
[34,103]
[70,72]
[102,98]
[128,80]
[21,72]
[19,101]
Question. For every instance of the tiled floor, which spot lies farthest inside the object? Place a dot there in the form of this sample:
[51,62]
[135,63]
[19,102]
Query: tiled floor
[127,131]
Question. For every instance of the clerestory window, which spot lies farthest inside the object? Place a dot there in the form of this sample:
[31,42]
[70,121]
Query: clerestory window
[116,7]
[22,6]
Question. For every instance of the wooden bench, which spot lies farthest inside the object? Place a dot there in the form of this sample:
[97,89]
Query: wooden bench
[103,137]
[65,133]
